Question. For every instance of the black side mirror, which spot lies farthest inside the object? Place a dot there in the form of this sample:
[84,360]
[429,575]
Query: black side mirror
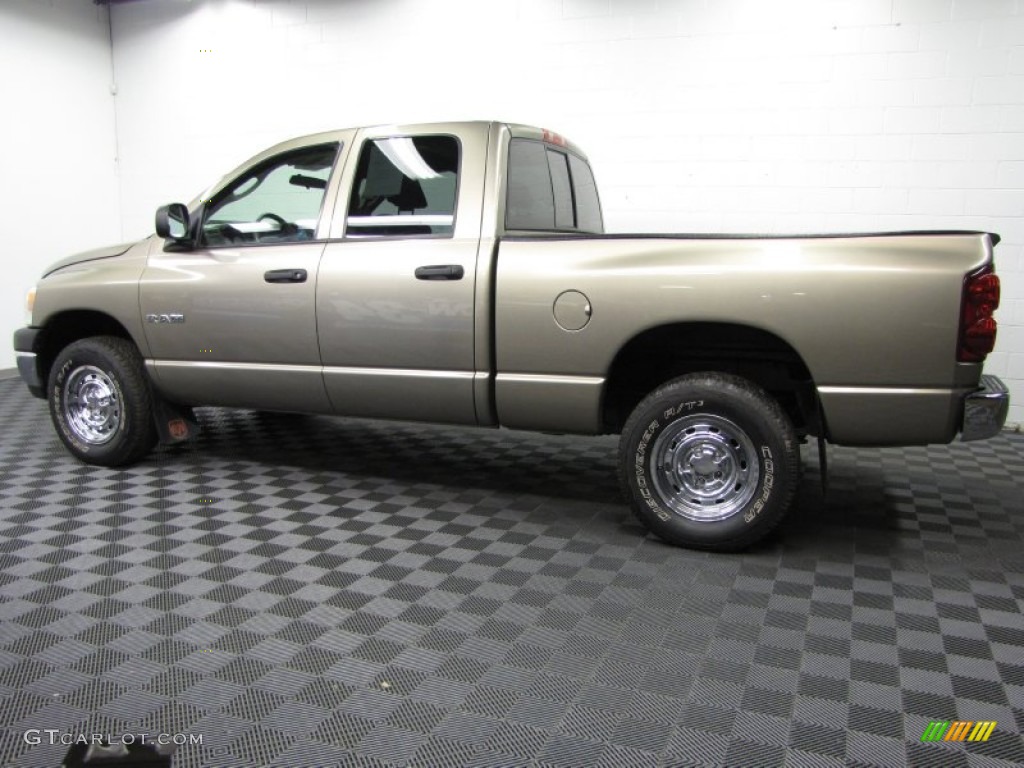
[172,222]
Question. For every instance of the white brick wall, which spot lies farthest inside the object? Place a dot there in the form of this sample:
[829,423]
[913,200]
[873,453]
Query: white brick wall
[793,115]
[58,181]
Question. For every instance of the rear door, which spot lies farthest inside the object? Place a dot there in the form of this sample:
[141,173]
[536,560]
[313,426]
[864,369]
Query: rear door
[395,297]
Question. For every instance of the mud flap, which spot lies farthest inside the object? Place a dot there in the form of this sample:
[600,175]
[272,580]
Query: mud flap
[810,403]
[174,423]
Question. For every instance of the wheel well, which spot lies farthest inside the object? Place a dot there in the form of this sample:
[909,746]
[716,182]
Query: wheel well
[667,352]
[67,327]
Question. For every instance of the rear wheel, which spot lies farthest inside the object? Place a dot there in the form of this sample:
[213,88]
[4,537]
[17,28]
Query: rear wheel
[100,401]
[709,461]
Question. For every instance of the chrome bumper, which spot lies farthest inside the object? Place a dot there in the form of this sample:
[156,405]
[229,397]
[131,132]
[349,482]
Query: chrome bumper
[985,410]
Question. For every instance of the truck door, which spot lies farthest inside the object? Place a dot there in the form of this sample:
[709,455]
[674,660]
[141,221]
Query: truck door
[396,293]
[232,321]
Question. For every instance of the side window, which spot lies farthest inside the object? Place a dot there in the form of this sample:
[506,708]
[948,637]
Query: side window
[278,201]
[549,190]
[405,186]
[529,202]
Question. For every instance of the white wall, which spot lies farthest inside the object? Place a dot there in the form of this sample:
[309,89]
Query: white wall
[58,172]
[699,115]
[801,115]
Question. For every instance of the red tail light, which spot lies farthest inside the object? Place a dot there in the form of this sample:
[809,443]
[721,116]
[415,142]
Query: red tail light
[977,326]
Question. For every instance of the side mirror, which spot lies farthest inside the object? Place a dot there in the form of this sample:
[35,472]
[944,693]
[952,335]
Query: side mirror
[172,222]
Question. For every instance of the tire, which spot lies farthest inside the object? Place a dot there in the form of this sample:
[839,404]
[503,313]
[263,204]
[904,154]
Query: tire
[100,401]
[709,461]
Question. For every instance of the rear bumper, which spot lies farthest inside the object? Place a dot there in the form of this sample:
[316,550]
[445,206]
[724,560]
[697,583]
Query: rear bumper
[25,352]
[985,409]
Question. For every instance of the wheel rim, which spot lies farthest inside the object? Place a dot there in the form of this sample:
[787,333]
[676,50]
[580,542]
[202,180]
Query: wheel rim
[704,467]
[92,405]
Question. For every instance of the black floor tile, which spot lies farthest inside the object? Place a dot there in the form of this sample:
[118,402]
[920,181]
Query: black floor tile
[308,591]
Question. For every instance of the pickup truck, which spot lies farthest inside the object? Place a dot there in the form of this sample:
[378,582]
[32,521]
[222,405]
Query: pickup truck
[459,273]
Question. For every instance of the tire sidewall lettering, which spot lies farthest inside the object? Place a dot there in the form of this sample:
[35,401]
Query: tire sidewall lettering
[640,473]
[767,484]
[684,407]
[763,441]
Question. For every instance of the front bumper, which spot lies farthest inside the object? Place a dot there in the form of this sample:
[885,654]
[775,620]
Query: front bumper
[985,409]
[28,364]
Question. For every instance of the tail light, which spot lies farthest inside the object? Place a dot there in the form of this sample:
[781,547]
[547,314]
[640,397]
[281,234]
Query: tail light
[977,326]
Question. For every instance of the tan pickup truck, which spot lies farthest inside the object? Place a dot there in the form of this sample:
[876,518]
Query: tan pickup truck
[459,273]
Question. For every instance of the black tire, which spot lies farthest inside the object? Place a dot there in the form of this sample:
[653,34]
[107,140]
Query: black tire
[709,461]
[100,401]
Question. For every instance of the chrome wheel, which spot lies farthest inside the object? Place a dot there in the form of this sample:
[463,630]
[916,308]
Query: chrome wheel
[92,405]
[704,467]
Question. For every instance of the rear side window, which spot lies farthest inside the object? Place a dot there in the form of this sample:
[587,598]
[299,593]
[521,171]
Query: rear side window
[550,190]
[405,186]
[530,202]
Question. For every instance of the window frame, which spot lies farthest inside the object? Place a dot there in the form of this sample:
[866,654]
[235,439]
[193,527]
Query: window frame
[346,235]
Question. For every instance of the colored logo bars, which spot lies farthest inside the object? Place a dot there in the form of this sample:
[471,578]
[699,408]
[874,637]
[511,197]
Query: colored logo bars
[958,730]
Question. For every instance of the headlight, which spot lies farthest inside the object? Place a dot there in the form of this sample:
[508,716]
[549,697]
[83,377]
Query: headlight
[30,303]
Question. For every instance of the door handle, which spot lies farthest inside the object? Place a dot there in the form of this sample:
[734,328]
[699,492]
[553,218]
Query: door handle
[440,272]
[285,276]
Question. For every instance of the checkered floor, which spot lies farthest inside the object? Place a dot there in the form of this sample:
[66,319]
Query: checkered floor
[301,591]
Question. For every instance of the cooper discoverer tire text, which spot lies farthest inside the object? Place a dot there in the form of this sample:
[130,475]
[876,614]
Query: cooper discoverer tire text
[709,461]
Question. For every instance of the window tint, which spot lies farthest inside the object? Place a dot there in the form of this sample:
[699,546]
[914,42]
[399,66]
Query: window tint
[276,202]
[562,188]
[405,186]
[529,202]
[588,205]
[549,189]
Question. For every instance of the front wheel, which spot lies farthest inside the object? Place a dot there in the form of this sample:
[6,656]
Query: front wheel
[100,401]
[709,461]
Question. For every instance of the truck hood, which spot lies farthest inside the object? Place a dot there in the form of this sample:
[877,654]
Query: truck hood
[97,253]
